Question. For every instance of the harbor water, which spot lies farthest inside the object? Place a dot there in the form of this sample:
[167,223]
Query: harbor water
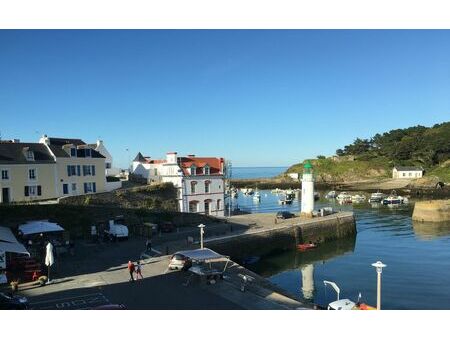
[256,172]
[417,255]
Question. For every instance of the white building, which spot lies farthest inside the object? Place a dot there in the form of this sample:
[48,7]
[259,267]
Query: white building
[199,180]
[109,169]
[307,206]
[407,172]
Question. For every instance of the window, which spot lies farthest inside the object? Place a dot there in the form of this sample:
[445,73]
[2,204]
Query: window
[87,152]
[78,170]
[71,170]
[218,205]
[207,207]
[207,183]
[193,170]
[404,174]
[30,155]
[33,190]
[410,174]
[32,174]
[74,187]
[93,170]
[65,188]
[193,206]
[206,170]
[73,152]
[5,174]
[87,170]
[89,187]
[193,184]
[156,172]
[108,165]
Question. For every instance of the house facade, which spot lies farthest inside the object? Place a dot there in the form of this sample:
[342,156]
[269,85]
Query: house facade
[110,170]
[27,172]
[79,168]
[199,180]
[407,172]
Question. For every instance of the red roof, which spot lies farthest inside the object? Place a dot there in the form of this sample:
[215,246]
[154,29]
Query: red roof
[214,163]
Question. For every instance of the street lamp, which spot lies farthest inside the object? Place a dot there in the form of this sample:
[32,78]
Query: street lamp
[202,231]
[379,268]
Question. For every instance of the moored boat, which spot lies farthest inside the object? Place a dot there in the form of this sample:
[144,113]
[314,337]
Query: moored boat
[377,197]
[306,246]
[344,197]
[393,199]
[331,194]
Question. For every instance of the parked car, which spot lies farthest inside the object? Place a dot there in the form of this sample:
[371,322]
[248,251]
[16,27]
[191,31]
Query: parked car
[167,227]
[284,214]
[13,302]
[116,231]
[179,262]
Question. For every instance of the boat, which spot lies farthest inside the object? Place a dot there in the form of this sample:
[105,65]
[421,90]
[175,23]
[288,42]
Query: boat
[394,199]
[276,191]
[346,304]
[344,197]
[257,197]
[358,198]
[285,199]
[331,194]
[316,196]
[306,246]
[377,197]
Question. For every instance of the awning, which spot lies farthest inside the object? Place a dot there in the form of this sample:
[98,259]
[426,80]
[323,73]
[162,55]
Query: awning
[37,227]
[9,243]
[202,255]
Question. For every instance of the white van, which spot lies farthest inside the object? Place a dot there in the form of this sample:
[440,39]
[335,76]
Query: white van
[117,231]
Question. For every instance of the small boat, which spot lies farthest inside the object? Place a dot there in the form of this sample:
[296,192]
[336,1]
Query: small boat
[285,199]
[306,246]
[346,304]
[394,199]
[358,198]
[377,197]
[331,194]
[316,196]
[344,197]
[276,191]
[257,197]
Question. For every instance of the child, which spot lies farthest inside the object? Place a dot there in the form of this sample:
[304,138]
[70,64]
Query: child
[138,270]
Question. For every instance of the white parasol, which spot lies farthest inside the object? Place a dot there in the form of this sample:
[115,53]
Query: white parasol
[49,258]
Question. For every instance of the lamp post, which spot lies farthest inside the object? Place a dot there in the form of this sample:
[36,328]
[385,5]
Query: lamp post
[202,231]
[379,268]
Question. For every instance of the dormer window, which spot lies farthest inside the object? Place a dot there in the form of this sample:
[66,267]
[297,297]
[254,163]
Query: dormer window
[29,155]
[206,170]
[193,170]
[73,152]
[87,152]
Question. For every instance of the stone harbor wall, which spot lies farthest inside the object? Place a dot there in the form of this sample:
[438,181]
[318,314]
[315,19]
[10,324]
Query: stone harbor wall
[432,211]
[316,230]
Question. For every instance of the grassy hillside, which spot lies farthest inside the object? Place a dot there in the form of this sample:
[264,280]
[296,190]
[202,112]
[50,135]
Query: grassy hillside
[346,169]
[374,158]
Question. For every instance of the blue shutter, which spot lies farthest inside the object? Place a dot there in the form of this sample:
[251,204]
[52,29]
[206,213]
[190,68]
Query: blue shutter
[85,187]
[68,170]
[27,191]
[84,170]
[39,190]
[94,189]
[93,170]
[78,170]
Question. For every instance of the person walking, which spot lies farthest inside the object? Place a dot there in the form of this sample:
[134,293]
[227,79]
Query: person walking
[148,245]
[139,270]
[131,270]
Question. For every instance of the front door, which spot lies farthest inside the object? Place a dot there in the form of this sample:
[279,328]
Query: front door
[5,195]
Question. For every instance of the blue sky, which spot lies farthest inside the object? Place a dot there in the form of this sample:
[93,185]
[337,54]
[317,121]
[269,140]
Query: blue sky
[258,98]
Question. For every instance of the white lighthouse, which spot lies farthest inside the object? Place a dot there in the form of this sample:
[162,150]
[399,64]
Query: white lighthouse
[307,190]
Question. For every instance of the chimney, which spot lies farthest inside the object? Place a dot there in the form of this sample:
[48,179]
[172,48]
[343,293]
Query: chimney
[99,142]
[191,155]
[171,158]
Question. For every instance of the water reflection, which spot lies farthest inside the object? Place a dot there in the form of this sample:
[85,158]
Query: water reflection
[308,281]
[430,231]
